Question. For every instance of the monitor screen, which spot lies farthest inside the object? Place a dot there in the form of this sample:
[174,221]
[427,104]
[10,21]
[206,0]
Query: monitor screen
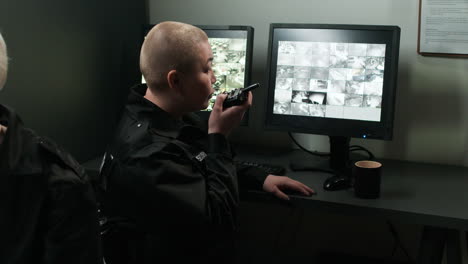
[232,58]
[334,80]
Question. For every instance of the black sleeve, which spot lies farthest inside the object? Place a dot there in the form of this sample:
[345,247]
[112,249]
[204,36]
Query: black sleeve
[250,178]
[175,186]
[72,232]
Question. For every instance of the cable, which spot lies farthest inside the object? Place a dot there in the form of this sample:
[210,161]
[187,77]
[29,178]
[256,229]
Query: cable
[303,167]
[394,249]
[320,154]
[360,148]
[352,148]
[398,242]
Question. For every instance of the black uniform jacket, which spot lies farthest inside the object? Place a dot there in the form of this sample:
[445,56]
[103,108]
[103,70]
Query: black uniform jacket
[176,182]
[47,208]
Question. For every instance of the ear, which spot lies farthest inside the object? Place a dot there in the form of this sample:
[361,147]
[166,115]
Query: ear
[174,81]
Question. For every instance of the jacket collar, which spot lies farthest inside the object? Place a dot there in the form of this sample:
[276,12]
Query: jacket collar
[161,122]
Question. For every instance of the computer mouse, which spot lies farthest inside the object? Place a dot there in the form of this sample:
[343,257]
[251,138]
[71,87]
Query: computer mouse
[336,183]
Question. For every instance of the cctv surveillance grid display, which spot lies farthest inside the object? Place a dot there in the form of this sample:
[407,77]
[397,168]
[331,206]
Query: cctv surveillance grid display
[328,77]
[330,80]
[232,53]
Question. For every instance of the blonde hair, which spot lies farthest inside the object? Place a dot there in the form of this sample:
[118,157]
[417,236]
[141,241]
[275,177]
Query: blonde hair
[169,46]
[3,62]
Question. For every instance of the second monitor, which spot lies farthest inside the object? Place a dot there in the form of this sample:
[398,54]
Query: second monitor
[334,80]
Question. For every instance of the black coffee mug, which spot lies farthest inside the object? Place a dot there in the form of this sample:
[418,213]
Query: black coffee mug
[367,176]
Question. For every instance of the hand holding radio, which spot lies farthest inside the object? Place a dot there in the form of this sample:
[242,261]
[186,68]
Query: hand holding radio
[223,118]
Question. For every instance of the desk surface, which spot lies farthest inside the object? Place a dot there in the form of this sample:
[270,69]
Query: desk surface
[426,194]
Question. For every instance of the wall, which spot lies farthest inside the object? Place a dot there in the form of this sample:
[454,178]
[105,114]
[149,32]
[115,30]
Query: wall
[431,120]
[71,63]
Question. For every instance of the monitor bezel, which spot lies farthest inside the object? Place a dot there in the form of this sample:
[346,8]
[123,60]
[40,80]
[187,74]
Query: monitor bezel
[331,126]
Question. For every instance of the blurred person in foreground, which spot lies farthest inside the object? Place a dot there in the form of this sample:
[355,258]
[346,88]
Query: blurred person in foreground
[48,210]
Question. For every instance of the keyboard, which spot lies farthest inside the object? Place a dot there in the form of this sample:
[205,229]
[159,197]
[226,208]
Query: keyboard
[268,168]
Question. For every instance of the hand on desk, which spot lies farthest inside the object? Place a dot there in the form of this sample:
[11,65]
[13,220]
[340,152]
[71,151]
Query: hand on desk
[277,184]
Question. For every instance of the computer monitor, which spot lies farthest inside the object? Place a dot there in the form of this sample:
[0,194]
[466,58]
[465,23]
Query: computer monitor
[334,80]
[232,59]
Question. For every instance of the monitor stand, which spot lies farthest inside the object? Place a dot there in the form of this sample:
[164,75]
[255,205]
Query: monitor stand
[339,154]
[337,163]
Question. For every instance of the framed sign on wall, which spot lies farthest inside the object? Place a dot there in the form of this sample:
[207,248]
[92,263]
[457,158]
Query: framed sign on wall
[443,28]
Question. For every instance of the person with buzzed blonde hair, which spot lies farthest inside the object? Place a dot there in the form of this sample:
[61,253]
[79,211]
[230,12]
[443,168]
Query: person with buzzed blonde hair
[164,51]
[48,212]
[167,178]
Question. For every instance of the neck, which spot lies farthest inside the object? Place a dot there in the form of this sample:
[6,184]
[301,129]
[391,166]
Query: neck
[165,102]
